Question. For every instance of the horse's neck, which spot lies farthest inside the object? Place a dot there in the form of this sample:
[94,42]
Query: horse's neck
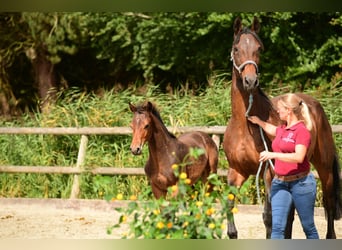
[239,99]
[261,106]
[161,142]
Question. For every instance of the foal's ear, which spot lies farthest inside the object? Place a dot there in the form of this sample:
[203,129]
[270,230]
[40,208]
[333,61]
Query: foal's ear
[132,107]
[149,106]
[255,25]
[237,25]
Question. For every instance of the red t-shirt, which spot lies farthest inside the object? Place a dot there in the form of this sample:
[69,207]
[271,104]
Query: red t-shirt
[285,142]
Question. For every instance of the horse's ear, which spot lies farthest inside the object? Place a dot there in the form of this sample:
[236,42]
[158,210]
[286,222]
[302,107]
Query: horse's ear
[132,107]
[237,25]
[255,25]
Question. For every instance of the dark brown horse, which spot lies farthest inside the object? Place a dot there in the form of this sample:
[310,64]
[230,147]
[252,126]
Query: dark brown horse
[165,150]
[243,142]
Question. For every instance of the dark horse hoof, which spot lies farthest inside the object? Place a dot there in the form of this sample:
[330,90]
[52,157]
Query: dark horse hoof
[232,232]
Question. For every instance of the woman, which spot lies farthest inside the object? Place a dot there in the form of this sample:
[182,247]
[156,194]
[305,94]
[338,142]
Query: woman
[293,183]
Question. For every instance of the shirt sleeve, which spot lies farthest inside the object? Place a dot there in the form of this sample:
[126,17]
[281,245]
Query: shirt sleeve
[303,137]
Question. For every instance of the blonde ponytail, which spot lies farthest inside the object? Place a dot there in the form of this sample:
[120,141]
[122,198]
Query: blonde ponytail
[306,115]
[299,108]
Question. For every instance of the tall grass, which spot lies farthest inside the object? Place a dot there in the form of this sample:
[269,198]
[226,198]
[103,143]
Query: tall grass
[76,108]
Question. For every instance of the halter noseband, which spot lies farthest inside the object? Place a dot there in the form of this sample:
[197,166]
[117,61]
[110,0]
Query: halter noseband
[242,65]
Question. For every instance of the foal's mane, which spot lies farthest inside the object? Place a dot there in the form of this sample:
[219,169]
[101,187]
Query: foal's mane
[150,107]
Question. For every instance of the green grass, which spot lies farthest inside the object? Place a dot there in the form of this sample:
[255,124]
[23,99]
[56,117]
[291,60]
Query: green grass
[75,108]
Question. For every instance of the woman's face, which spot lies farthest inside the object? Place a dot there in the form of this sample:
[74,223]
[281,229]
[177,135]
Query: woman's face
[282,111]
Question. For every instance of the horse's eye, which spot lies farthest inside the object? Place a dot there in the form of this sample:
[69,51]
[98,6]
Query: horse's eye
[236,49]
[146,126]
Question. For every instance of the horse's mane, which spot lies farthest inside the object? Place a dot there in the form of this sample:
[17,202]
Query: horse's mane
[267,99]
[145,108]
[247,30]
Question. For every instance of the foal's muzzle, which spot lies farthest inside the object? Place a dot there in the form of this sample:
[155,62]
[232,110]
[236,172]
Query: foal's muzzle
[136,150]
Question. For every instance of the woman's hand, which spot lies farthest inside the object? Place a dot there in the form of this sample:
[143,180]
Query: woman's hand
[266,155]
[254,119]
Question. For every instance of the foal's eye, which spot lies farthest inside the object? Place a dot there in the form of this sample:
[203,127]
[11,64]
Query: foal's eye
[146,126]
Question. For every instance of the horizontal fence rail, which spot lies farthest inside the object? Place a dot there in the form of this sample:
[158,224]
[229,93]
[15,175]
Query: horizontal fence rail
[215,131]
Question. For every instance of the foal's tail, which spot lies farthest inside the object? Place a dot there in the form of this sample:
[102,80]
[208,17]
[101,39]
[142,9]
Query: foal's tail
[337,188]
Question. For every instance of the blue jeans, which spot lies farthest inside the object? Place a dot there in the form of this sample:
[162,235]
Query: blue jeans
[301,193]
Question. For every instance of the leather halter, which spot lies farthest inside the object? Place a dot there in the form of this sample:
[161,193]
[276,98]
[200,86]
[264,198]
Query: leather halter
[242,65]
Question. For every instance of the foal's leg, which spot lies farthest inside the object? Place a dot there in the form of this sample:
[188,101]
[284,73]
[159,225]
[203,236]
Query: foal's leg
[157,192]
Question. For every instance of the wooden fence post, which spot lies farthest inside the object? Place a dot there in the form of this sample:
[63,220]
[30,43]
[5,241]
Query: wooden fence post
[75,190]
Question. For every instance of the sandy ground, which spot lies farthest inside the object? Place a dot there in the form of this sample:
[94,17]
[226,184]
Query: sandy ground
[89,219]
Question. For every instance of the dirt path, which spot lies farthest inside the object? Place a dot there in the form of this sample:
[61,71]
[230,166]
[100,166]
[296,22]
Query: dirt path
[89,219]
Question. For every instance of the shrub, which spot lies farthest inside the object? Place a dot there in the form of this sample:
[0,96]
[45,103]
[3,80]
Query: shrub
[188,211]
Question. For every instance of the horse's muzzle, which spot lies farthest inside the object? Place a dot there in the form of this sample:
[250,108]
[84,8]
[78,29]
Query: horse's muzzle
[250,82]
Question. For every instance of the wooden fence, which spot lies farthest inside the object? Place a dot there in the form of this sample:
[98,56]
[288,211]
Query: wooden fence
[215,131]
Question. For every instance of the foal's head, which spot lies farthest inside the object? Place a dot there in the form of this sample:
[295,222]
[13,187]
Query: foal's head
[141,126]
[245,53]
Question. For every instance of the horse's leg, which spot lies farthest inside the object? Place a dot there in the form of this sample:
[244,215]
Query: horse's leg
[331,187]
[234,179]
[267,216]
[231,228]
[329,206]
[289,224]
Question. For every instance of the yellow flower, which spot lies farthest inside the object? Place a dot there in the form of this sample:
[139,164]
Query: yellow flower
[156,211]
[198,216]
[223,226]
[187,181]
[183,175]
[133,198]
[210,211]
[207,194]
[174,188]
[169,225]
[123,218]
[119,197]
[174,166]
[185,224]
[199,203]
[234,210]
[160,225]
[211,225]
[231,197]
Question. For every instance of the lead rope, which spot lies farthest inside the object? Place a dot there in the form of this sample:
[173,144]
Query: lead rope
[250,102]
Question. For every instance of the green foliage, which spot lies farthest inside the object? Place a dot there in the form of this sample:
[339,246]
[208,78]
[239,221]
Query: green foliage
[173,49]
[188,212]
[53,33]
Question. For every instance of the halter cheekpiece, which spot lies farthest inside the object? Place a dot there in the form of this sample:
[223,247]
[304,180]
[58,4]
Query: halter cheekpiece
[242,65]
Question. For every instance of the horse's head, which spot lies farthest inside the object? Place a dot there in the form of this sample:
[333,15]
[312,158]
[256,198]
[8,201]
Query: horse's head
[245,53]
[141,126]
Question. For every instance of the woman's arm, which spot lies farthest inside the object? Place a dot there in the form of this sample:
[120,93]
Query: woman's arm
[267,127]
[297,157]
